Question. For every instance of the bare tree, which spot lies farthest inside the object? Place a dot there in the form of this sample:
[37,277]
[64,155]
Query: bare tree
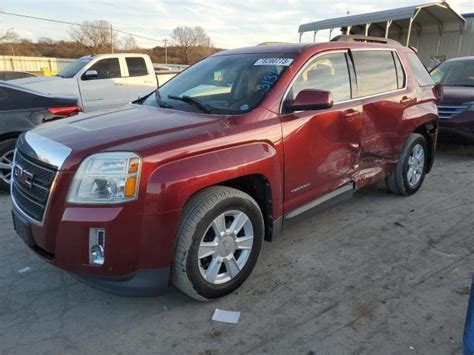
[46,41]
[188,39]
[129,43]
[95,35]
[10,36]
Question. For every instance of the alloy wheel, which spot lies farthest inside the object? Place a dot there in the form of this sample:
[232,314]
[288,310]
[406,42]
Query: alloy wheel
[225,247]
[416,165]
[6,162]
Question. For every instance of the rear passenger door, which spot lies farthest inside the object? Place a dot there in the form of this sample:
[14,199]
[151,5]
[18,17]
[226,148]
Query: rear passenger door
[140,80]
[321,146]
[382,89]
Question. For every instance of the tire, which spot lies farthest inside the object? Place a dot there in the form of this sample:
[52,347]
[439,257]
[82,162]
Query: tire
[198,234]
[409,173]
[7,148]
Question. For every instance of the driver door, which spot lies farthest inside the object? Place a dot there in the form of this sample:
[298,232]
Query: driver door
[107,90]
[321,147]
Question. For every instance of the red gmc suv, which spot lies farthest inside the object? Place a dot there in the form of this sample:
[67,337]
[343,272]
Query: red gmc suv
[188,182]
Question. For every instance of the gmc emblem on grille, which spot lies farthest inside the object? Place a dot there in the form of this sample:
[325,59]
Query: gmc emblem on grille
[23,176]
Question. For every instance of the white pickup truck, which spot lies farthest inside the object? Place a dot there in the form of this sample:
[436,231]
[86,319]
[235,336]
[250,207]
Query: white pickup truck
[101,81]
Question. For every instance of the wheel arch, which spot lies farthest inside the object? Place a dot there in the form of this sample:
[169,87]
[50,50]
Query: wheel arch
[258,187]
[429,131]
[10,135]
[253,168]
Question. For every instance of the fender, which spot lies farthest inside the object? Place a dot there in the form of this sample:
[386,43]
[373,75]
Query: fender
[171,185]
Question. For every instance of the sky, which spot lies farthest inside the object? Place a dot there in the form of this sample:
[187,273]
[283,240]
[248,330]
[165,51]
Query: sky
[229,23]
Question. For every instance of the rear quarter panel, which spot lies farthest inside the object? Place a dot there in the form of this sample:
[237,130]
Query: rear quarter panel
[423,109]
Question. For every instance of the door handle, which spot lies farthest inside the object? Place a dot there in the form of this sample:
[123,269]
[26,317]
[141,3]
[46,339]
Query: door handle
[406,100]
[350,114]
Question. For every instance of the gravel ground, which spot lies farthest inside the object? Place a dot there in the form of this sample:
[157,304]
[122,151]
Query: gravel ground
[378,274]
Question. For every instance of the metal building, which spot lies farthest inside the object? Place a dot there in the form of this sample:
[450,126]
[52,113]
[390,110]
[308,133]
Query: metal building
[435,29]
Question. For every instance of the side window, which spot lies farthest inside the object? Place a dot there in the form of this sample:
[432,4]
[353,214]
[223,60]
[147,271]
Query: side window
[375,72]
[328,72]
[107,68]
[419,71]
[136,66]
[401,76]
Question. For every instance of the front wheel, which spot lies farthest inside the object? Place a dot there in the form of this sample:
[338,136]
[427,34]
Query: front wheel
[218,242]
[7,151]
[409,174]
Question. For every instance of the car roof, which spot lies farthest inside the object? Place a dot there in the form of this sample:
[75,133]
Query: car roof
[460,59]
[271,48]
[297,48]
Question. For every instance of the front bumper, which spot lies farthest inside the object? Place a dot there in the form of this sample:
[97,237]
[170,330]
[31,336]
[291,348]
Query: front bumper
[143,283]
[457,132]
[461,125]
[138,247]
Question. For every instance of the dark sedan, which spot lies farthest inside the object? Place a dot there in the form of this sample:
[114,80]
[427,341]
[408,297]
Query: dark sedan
[20,110]
[456,110]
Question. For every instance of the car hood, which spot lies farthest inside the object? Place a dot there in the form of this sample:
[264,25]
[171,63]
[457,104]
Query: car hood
[34,80]
[458,94]
[143,129]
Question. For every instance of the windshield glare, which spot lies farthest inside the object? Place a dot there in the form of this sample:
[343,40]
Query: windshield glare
[225,84]
[456,73]
[71,69]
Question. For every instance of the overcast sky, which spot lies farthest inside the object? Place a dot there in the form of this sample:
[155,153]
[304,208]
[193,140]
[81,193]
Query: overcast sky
[230,23]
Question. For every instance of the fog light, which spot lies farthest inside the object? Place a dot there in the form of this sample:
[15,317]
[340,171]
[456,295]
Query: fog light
[96,246]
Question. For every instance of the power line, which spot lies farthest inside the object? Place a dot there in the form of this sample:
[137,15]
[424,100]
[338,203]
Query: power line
[82,25]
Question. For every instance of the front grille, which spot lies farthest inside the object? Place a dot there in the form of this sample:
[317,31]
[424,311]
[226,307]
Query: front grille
[448,111]
[31,184]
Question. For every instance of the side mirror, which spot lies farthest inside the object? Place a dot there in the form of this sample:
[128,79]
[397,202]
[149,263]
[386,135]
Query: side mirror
[310,100]
[91,75]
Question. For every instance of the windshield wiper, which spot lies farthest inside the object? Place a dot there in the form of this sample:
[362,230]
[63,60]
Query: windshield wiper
[190,100]
[161,103]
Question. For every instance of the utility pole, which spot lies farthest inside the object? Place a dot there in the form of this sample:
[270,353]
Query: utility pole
[166,51]
[111,38]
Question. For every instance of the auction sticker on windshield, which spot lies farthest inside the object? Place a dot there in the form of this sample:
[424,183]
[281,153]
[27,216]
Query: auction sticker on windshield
[285,62]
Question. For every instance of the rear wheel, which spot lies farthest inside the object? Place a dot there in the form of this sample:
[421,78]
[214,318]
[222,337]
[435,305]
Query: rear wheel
[218,243]
[409,174]
[7,150]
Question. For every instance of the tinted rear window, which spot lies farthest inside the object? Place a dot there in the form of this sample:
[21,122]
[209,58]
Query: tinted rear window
[376,72]
[136,66]
[422,76]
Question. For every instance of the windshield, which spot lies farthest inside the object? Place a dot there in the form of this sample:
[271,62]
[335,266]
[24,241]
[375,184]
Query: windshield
[223,84]
[455,73]
[71,69]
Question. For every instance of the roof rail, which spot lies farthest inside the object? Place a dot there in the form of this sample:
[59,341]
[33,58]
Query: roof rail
[368,39]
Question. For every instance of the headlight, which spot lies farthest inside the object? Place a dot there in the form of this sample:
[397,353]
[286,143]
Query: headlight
[106,178]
